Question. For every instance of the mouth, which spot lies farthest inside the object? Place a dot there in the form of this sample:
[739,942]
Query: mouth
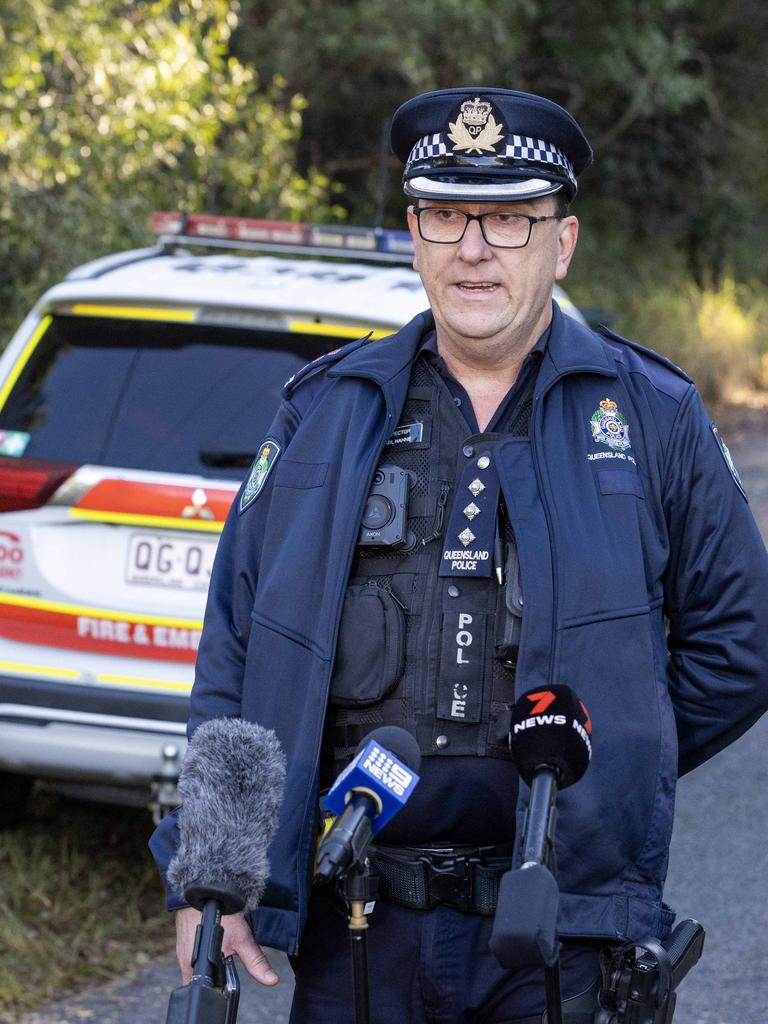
[474,287]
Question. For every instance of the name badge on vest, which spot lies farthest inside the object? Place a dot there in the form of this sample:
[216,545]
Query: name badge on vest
[411,435]
[468,544]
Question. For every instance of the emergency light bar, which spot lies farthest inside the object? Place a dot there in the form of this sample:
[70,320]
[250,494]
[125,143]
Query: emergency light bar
[374,244]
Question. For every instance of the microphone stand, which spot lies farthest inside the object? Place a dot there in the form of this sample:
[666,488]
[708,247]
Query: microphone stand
[357,891]
[525,927]
[343,855]
[539,848]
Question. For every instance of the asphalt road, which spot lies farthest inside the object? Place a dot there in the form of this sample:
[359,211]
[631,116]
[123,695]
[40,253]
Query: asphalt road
[718,870]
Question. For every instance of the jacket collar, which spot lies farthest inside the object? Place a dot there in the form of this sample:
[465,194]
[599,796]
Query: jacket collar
[572,348]
[382,360]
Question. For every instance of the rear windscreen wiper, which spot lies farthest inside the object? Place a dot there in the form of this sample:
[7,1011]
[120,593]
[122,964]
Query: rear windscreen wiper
[225,457]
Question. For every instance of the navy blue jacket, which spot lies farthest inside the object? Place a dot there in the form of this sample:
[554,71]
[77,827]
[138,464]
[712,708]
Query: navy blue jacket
[646,591]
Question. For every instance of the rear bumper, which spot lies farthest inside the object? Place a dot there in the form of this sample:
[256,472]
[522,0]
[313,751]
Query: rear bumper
[83,734]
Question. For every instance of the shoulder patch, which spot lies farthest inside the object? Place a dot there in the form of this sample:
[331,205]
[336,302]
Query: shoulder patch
[643,350]
[728,460]
[326,359]
[269,451]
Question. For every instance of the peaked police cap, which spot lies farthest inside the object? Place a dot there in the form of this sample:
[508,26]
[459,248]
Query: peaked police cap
[493,145]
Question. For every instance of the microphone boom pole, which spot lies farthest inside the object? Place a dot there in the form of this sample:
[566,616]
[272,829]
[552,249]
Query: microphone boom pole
[374,786]
[551,749]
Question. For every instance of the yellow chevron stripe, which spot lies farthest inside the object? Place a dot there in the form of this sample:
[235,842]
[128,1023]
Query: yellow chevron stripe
[157,684]
[135,519]
[97,613]
[39,670]
[337,330]
[24,358]
[136,312]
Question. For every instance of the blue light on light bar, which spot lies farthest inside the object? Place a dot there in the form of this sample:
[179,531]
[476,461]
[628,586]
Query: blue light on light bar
[396,241]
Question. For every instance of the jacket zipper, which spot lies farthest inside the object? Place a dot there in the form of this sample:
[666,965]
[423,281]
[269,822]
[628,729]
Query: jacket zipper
[537,464]
[442,502]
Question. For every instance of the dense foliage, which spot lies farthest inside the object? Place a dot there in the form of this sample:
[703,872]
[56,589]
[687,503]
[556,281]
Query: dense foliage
[665,90]
[112,107]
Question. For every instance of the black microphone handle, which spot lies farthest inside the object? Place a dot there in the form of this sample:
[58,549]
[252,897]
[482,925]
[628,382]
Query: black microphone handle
[539,834]
[203,1000]
[349,838]
[207,961]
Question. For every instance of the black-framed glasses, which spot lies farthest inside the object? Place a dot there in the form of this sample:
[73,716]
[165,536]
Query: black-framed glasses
[446,226]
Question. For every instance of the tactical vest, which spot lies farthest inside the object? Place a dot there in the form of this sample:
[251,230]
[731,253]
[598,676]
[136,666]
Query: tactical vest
[434,654]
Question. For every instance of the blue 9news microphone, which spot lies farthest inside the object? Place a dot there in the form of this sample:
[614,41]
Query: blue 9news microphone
[373,787]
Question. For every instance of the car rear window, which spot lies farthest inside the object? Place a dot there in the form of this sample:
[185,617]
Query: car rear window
[187,398]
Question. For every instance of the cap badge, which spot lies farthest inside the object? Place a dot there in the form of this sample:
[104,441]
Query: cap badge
[475,129]
[609,426]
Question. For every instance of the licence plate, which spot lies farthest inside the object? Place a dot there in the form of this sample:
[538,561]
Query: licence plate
[170,562]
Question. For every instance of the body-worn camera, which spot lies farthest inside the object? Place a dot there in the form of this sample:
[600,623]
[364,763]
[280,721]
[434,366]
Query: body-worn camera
[385,517]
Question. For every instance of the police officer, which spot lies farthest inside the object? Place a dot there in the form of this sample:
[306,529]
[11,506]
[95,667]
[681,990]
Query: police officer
[494,499]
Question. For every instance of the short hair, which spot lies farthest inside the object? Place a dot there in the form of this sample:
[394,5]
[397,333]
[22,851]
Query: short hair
[562,203]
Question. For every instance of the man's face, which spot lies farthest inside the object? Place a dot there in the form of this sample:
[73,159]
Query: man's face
[480,292]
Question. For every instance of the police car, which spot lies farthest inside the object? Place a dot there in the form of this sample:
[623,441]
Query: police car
[132,400]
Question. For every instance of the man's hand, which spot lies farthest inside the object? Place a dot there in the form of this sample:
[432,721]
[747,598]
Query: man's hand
[238,939]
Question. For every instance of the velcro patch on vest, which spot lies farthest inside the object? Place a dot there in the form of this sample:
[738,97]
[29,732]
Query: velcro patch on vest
[468,544]
[411,436]
[462,659]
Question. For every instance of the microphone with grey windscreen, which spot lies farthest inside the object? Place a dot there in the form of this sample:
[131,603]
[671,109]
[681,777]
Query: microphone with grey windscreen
[231,786]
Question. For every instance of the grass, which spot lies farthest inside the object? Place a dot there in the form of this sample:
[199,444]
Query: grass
[81,901]
[718,332]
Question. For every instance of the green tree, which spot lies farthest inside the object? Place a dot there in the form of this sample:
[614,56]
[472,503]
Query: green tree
[666,91]
[112,108]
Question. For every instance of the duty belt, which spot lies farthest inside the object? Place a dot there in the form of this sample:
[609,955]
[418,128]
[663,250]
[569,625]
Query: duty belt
[420,878]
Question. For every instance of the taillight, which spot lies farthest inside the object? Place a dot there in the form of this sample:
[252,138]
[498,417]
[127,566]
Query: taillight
[26,483]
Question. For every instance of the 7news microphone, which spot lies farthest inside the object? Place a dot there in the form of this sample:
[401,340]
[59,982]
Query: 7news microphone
[373,787]
[552,748]
[231,786]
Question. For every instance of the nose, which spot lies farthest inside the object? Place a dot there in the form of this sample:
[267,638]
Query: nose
[473,248]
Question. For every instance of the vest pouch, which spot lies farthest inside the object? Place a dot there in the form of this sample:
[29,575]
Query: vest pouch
[509,611]
[370,654]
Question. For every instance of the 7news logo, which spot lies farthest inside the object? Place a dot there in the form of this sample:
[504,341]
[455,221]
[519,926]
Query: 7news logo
[541,702]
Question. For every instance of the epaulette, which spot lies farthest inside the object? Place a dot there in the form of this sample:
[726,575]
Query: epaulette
[326,359]
[647,353]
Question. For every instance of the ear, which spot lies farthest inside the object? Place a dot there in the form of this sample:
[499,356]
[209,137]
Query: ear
[567,235]
[413,227]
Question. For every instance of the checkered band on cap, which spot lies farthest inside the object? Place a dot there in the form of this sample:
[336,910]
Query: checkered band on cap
[519,147]
[430,145]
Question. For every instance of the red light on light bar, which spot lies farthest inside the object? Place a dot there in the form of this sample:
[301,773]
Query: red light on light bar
[165,223]
[242,229]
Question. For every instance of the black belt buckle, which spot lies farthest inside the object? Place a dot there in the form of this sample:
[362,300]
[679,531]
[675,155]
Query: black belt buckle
[450,880]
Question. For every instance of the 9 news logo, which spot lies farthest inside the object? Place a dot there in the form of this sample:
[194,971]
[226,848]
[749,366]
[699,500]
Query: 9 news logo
[382,766]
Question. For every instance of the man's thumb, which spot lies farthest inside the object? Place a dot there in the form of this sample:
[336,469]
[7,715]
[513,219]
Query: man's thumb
[255,962]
